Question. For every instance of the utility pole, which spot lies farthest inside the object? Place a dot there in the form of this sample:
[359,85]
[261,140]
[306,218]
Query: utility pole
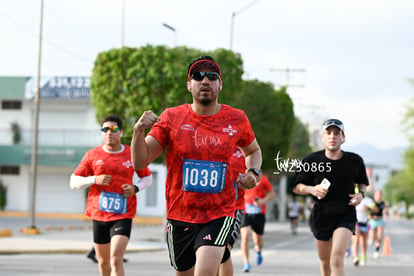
[123,24]
[283,200]
[32,229]
[288,71]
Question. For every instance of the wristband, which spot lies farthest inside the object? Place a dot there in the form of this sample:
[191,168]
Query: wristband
[136,189]
[362,193]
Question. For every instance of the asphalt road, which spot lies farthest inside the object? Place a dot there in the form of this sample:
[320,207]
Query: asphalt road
[284,254]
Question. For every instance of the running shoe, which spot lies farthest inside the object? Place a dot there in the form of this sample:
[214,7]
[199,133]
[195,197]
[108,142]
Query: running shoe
[363,260]
[92,256]
[356,261]
[348,252]
[376,254]
[246,267]
[259,258]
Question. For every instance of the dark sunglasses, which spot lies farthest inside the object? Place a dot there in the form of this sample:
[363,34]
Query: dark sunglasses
[111,128]
[332,121]
[199,76]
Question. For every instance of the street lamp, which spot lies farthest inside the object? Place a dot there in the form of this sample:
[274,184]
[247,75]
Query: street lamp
[123,24]
[232,21]
[173,30]
[32,229]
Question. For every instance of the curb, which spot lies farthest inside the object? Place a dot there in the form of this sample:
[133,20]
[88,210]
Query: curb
[69,251]
[139,220]
[82,217]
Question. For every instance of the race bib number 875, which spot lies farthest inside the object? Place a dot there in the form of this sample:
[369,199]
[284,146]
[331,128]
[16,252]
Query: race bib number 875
[112,203]
[204,176]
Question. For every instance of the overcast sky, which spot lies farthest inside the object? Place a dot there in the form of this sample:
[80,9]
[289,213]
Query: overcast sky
[353,57]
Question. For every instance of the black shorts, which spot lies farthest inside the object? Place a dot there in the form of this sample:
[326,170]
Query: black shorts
[323,226]
[235,231]
[103,231]
[183,239]
[256,221]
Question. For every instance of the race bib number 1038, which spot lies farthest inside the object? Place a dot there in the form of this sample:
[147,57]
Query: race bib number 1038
[204,176]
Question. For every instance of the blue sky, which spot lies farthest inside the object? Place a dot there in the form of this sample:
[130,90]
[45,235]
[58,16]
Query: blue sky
[357,55]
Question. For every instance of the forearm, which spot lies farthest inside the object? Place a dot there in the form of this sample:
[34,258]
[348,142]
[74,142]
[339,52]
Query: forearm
[254,159]
[139,150]
[269,196]
[81,182]
[302,189]
[144,182]
[362,187]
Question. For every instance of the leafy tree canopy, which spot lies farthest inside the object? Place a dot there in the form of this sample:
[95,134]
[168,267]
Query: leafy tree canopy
[128,81]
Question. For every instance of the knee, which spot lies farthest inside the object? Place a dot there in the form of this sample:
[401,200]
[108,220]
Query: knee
[337,261]
[116,261]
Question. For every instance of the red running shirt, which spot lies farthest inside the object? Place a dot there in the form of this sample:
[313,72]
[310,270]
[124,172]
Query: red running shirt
[96,162]
[199,184]
[263,186]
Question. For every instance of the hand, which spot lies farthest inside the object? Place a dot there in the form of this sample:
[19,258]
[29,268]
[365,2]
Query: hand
[319,191]
[355,199]
[147,120]
[103,179]
[129,189]
[246,181]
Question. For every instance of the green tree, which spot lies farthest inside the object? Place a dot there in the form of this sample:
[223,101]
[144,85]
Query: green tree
[400,188]
[300,144]
[128,81]
[271,115]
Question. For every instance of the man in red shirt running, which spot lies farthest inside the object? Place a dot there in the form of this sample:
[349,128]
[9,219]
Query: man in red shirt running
[200,139]
[112,203]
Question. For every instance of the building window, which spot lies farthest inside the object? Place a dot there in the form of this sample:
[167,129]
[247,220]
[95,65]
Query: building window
[8,105]
[11,170]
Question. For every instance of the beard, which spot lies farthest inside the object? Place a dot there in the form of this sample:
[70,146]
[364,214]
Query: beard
[205,101]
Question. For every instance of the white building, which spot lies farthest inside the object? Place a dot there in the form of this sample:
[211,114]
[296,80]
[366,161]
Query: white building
[67,128]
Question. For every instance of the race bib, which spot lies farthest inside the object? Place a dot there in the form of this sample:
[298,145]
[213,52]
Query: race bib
[204,176]
[113,203]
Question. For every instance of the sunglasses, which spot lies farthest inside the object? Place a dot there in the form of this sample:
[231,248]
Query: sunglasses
[111,128]
[199,76]
[332,121]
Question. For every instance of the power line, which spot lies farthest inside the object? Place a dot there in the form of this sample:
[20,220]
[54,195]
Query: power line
[51,43]
[288,72]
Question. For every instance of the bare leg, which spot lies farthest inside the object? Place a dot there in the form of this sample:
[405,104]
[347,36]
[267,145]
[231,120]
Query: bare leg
[103,256]
[324,253]
[226,268]
[118,247]
[244,244]
[340,242]
[208,260]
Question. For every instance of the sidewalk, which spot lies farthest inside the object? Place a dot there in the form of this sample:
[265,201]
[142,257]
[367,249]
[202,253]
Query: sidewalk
[70,233]
[73,234]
